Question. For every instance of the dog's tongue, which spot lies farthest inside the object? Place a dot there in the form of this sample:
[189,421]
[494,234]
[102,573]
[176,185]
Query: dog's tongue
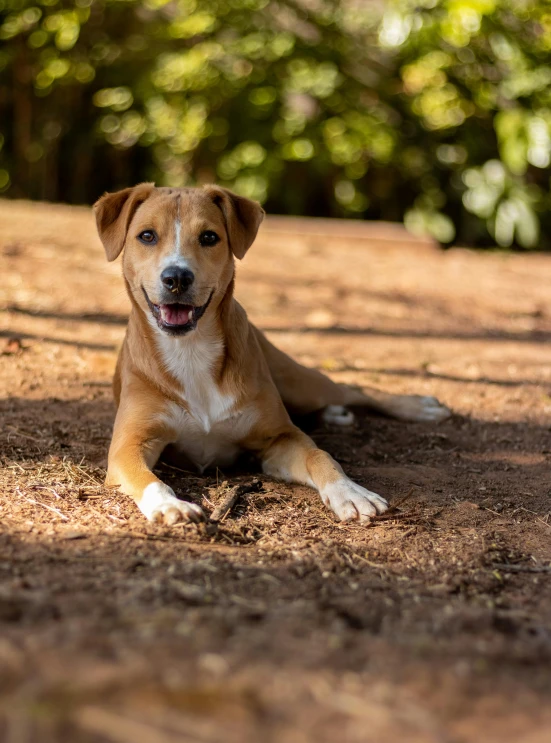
[176,314]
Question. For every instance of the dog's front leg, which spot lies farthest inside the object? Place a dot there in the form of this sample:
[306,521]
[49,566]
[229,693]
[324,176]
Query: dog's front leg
[138,441]
[294,457]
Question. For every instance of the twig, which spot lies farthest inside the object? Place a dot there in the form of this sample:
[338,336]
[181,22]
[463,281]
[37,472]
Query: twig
[116,518]
[119,729]
[233,495]
[394,506]
[522,568]
[51,490]
[137,535]
[103,514]
[17,432]
[368,562]
[391,516]
[189,473]
[16,464]
[38,503]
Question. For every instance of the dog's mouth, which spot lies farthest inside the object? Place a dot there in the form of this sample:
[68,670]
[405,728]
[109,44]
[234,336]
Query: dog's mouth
[177,318]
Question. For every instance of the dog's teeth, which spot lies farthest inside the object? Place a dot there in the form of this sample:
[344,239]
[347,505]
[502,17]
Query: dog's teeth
[190,316]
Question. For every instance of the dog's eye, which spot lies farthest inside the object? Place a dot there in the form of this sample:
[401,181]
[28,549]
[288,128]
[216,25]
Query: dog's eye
[148,237]
[208,238]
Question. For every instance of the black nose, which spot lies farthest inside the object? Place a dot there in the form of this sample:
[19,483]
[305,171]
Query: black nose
[177,279]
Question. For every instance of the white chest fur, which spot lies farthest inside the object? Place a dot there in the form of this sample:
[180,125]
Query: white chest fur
[191,361]
[207,426]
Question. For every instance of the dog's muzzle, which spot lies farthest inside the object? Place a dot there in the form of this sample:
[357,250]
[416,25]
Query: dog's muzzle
[177,318]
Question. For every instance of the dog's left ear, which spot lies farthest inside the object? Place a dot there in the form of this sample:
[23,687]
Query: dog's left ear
[243,218]
[114,212]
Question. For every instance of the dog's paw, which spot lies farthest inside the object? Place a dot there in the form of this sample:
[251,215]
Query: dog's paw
[350,502]
[337,415]
[159,504]
[419,408]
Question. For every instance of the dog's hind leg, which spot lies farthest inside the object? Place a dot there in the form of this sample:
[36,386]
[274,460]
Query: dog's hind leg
[421,408]
[304,390]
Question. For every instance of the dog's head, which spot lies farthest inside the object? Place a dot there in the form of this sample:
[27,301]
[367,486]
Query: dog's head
[179,246]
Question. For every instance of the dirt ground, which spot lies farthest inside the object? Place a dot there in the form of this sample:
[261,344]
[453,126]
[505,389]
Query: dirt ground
[430,626]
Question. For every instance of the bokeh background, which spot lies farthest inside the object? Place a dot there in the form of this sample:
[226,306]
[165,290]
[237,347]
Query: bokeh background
[435,112]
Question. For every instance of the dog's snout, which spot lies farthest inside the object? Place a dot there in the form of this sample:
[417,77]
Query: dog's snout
[177,279]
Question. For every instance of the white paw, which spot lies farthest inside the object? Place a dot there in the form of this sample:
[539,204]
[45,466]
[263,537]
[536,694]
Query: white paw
[351,502]
[159,503]
[338,415]
[420,408]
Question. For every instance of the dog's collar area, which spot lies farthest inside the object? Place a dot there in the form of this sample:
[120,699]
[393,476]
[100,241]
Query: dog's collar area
[177,318]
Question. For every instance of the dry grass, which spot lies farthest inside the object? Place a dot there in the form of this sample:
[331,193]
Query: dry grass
[272,621]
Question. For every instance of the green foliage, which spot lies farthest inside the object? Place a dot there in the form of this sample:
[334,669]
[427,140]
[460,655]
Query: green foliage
[436,112]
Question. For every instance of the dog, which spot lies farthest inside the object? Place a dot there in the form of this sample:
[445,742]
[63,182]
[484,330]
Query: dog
[195,379]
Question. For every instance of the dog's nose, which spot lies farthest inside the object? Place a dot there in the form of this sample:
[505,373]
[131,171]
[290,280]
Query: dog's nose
[177,279]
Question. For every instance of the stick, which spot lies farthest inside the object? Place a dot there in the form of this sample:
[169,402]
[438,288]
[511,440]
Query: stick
[118,729]
[523,568]
[44,505]
[233,495]
[394,506]
[17,432]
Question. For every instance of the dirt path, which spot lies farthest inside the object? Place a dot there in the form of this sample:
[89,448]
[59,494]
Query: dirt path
[433,626]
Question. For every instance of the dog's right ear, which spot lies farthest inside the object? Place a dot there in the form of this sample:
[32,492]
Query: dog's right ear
[114,212]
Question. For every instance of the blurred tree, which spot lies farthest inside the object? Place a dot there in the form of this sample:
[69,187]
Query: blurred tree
[437,112]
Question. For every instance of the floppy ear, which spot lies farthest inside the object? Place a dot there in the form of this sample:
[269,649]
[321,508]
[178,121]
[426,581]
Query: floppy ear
[114,212]
[243,218]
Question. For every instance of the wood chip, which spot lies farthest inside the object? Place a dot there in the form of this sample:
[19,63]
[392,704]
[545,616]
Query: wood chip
[231,498]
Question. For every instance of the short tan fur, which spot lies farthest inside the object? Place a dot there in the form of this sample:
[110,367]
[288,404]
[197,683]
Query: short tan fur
[195,379]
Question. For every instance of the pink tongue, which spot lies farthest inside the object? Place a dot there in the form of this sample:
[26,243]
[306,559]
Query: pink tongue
[175,314]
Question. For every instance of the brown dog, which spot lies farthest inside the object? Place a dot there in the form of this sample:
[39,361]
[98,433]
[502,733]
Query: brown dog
[195,377]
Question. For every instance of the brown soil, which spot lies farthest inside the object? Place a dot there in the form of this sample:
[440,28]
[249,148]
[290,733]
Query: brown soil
[433,625]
